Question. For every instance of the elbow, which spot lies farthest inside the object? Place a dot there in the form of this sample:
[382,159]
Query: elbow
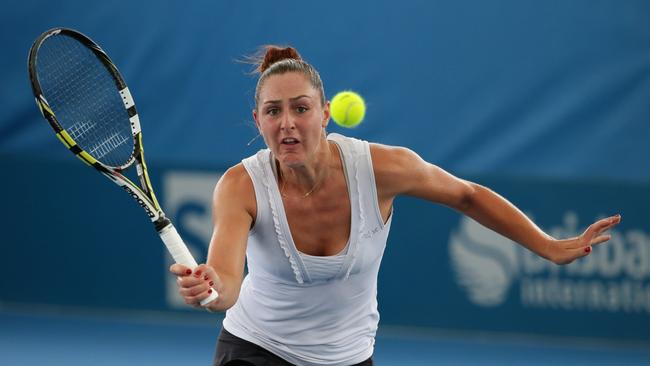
[467,197]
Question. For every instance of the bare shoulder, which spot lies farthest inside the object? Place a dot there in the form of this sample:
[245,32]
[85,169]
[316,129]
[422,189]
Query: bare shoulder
[234,176]
[399,170]
[385,157]
[395,167]
[235,190]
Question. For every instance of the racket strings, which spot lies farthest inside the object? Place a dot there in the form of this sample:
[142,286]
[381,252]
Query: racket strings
[85,99]
[103,147]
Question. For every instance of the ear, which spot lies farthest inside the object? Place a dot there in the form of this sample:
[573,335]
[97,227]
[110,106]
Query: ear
[326,114]
[257,123]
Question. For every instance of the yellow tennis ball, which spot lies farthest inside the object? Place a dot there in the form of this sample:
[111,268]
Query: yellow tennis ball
[347,109]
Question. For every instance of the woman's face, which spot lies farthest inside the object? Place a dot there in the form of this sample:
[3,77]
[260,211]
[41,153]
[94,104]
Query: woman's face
[291,118]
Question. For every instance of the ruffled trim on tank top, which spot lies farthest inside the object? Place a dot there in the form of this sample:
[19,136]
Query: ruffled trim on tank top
[276,219]
[356,156]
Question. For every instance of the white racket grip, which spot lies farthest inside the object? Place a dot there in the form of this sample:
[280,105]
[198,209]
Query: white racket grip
[181,254]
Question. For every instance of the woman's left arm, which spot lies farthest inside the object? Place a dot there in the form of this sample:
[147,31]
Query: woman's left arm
[401,171]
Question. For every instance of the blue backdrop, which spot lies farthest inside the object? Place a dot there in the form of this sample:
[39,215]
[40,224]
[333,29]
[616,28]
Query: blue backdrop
[553,89]
[546,102]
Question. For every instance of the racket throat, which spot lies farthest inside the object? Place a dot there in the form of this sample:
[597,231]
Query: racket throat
[161,223]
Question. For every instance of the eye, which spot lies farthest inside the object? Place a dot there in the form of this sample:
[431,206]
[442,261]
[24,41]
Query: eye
[273,111]
[302,109]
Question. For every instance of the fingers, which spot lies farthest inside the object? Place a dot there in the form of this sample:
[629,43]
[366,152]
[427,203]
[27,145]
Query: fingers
[582,245]
[194,294]
[593,233]
[600,239]
[180,270]
[197,285]
[607,223]
[207,274]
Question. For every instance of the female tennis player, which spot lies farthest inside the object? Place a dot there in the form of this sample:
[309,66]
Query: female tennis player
[311,214]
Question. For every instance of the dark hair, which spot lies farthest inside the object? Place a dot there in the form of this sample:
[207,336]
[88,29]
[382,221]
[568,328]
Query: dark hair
[276,60]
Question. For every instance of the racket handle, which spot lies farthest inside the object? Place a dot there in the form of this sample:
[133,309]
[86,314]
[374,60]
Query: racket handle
[181,254]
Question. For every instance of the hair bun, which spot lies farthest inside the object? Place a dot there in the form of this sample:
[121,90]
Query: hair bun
[273,54]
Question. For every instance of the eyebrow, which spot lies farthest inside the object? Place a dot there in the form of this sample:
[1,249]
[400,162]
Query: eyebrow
[290,99]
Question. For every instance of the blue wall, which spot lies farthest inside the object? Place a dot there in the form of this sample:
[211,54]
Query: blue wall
[440,270]
[546,102]
[552,89]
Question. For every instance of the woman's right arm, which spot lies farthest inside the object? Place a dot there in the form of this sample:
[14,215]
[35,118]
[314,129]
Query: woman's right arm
[233,212]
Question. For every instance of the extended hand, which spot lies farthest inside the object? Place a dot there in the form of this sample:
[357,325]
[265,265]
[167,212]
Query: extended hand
[566,251]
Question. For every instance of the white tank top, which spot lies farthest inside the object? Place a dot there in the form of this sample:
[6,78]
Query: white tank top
[312,310]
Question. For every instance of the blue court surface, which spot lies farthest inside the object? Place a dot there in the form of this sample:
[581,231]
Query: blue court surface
[56,337]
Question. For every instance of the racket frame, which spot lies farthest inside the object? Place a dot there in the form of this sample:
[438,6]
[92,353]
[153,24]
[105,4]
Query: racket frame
[142,194]
[145,195]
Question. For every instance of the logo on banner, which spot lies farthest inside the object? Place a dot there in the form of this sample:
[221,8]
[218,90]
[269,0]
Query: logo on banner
[615,277]
[485,263]
[187,198]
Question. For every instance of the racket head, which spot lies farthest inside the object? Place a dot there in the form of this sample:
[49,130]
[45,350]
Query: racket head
[84,98]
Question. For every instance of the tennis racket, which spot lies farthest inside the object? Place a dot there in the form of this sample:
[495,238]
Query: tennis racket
[84,98]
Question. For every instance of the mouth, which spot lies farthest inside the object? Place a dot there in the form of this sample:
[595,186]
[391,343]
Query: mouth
[289,141]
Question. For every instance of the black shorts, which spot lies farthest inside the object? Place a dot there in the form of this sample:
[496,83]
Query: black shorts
[234,351]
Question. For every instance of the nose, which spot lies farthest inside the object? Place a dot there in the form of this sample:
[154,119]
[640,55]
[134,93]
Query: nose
[287,122]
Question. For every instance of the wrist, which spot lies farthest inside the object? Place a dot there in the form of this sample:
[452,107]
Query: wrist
[208,309]
[212,307]
[548,248]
